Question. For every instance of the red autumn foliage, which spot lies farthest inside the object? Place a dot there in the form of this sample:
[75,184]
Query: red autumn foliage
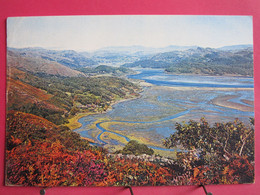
[135,173]
[39,153]
[36,156]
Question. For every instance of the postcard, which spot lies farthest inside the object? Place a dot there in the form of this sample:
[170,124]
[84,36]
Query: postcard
[129,100]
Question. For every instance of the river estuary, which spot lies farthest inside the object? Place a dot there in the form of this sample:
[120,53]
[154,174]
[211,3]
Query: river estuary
[170,99]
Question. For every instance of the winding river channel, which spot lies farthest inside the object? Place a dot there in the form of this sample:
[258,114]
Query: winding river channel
[170,99]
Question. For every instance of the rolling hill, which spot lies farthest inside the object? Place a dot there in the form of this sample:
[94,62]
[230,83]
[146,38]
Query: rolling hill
[69,58]
[29,99]
[202,61]
[35,64]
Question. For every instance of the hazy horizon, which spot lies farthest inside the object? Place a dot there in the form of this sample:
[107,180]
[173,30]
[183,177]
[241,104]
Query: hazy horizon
[103,48]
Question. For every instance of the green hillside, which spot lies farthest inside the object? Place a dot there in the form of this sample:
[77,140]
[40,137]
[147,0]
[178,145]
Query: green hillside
[202,61]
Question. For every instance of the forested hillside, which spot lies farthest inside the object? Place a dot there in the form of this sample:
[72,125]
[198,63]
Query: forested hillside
[66,95]
[202,61]
[53,91]
[104,69]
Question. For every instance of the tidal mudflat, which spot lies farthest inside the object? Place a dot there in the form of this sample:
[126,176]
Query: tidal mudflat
[152,117]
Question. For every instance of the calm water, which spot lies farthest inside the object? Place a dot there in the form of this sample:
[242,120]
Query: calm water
[154,114]
[159,77]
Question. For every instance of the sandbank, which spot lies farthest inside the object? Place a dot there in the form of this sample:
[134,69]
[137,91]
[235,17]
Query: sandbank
[224,102]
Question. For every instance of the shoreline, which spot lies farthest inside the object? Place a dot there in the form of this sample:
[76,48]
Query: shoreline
[224,75]
[74,124]
[203,88]
[221,101]
[74,121]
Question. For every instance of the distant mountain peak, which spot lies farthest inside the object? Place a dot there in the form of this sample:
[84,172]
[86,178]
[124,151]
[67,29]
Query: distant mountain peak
[236,47]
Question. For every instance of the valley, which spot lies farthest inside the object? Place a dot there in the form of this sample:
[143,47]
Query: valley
[138,100]
[152,117]
[129,100]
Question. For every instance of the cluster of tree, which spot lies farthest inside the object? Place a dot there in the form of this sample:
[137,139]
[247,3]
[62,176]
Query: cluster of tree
[218,154]
[135,148]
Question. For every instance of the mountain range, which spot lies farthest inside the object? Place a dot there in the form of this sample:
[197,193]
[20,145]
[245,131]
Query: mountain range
[177,59]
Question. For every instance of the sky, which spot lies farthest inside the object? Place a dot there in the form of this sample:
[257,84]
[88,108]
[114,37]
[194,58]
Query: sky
[89,33]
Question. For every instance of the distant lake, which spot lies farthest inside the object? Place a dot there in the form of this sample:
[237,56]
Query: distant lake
[152,117]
